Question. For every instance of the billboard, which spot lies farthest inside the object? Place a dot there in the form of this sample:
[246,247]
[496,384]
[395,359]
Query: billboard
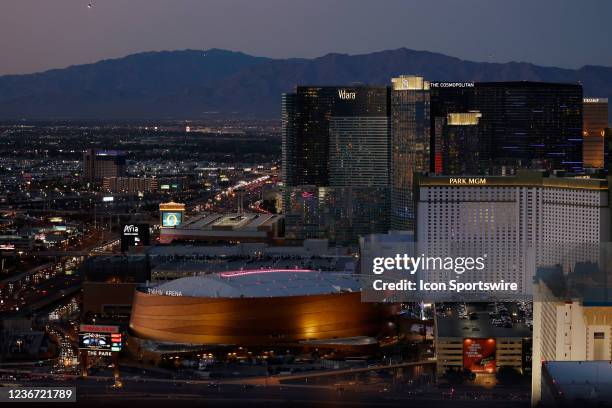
[134,235]
[479,355]
[95,341]
[172,218]
[100,338]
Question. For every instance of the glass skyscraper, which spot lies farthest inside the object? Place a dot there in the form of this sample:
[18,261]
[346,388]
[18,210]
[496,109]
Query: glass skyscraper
[410,141]
[457,139]
[336,146]
[533,125]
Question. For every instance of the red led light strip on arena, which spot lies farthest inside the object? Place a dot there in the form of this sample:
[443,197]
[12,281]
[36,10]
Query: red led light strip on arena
[258,271]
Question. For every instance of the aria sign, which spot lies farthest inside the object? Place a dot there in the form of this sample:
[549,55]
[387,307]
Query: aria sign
[133,235]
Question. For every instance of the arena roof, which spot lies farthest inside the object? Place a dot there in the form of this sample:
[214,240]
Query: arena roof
[261,283]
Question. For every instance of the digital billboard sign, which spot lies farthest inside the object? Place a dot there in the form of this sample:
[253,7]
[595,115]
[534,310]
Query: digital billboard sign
[172,218]
[100,341]
[479,355]
[95,341]
[100,338]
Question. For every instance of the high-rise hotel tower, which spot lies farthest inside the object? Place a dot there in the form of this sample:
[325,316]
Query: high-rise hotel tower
[410,138]
[523,125]
[336,160]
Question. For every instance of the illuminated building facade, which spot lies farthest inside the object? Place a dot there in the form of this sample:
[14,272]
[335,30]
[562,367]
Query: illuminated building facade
[341,214]
[533,125]
[98,164]
[457,137]
[514,220]
[594,124]
[336,150]
[483,350]
[410,138]
[257,307]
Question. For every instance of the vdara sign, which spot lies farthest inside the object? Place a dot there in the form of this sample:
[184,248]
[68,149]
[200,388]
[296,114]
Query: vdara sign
[344,94]
[467,180]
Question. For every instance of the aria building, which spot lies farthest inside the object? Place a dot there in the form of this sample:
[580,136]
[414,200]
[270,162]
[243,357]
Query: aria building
[523,125]
[514,222]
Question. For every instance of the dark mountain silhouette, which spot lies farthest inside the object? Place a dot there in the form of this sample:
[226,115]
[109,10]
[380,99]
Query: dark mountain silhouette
[195,84]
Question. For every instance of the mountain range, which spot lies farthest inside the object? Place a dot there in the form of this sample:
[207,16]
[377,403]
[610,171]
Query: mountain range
[195,84]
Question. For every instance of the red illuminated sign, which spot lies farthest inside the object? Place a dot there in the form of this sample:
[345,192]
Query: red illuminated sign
[479,355]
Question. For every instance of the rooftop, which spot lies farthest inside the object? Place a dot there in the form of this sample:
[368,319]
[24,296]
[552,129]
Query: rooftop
[261,283]
[229,222]
[582,380]
[478,328]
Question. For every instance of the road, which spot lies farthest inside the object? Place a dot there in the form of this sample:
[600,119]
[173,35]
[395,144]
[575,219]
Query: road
[93,393]
[98,391]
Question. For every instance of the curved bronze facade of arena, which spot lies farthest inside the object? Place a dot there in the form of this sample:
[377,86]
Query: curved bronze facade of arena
[257,321]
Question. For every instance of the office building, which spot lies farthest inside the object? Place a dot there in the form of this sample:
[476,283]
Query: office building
[594,124]
[98,164]
[514,221]
[533,125]
[410,138]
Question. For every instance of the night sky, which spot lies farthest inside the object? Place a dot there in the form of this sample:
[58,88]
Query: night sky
[36,35]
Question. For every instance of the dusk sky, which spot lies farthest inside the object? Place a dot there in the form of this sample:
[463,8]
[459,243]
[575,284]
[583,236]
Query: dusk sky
[36,35]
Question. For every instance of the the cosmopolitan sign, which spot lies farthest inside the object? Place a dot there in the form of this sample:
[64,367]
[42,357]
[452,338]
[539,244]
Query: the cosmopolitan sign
[451,84]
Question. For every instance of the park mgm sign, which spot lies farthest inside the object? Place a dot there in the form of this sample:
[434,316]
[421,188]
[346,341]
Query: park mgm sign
[526,178]
[461,181]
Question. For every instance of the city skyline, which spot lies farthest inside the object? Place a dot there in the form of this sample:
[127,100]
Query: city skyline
[326,217]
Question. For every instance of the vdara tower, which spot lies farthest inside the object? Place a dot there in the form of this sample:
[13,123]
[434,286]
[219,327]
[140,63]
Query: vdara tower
[350,155]
[336,161]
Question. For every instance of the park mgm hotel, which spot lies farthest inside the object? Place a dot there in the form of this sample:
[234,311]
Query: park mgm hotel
[519,221]
[522,221]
